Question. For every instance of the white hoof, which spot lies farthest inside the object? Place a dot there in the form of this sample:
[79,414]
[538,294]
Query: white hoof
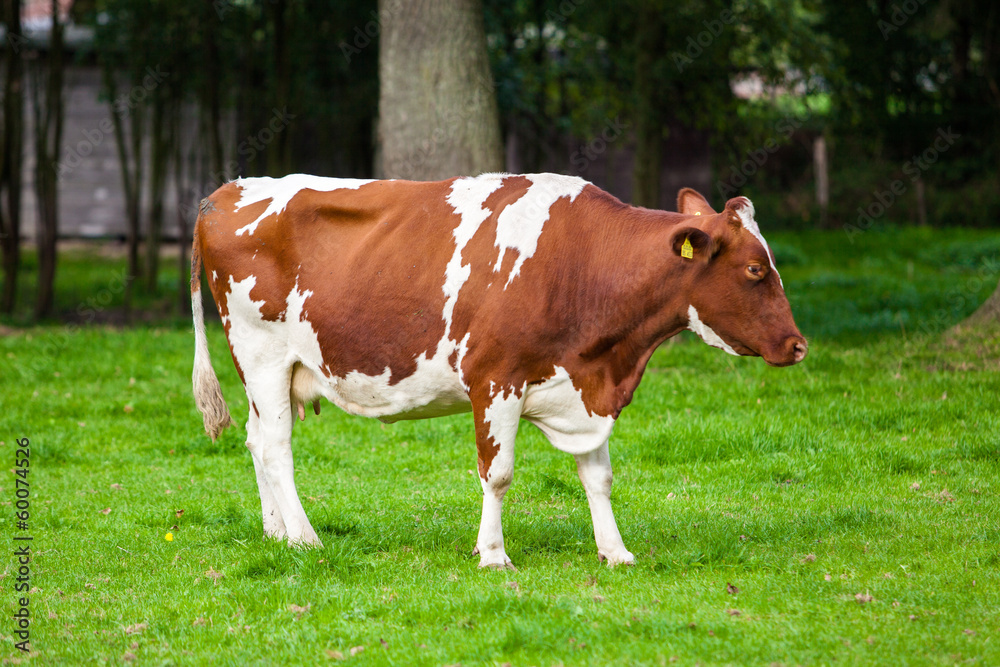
[615,558]
[495,559]
[306,541]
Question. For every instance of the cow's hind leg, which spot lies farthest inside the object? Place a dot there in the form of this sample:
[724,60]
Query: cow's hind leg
[496,430]
[271,447]
[274,524]
[594,469]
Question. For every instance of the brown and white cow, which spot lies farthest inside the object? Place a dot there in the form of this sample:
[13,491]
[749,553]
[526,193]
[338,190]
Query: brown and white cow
[536,297]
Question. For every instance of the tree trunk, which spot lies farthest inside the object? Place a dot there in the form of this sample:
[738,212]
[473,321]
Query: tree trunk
[821,168]
[10,169]
[211,90]
[649,119]
[921,190]
[49,110]
[160,155]
[437,109]
[130,161]
[248,116]
[183,192]
[279,156]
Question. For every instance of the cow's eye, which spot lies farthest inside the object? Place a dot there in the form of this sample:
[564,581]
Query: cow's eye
[755,271]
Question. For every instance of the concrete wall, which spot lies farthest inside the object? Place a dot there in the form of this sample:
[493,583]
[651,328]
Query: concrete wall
[91,194]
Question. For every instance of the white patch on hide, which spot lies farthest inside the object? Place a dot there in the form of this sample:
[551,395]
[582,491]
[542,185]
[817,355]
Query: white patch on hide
[246,332]
[260,345]
[281,190]
[520,224]
[466,197]
[502,415]
[746,214]
[556,407]
[705,332]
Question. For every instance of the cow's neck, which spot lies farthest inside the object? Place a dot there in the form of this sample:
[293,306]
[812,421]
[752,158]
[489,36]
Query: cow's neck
[641,304]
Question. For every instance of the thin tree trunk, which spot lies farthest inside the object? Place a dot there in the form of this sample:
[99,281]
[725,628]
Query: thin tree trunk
[279,157]
[246,110]
[183,192]
[437,111]
[160,154]
[10,170]
[130,162]
[821,168]
[49,112]
[211,92]
[649,119]
[921,190]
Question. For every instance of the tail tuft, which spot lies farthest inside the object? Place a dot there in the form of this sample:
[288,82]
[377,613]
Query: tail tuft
[207,392]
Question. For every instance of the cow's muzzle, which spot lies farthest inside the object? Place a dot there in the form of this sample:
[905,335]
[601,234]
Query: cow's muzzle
[792,351]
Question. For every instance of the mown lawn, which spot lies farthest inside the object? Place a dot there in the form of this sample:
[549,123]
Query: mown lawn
[844,511]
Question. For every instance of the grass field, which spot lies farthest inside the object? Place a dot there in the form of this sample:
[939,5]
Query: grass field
[843,511]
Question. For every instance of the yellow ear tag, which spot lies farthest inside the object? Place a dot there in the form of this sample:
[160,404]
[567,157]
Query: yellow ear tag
[687,251]
[697,212]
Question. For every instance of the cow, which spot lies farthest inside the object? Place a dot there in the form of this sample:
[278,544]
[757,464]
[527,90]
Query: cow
[538,297]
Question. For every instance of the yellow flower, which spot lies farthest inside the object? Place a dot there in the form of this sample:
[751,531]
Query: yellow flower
[169,537]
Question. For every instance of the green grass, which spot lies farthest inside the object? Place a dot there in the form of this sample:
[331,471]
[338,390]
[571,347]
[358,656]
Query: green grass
[873,468]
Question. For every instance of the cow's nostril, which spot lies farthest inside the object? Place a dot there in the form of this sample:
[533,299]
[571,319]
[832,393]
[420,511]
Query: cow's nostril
[800,349]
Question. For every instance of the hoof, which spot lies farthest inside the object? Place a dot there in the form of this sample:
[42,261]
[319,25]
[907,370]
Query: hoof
[504,565]
[496,560]
[617,558]
[306,542]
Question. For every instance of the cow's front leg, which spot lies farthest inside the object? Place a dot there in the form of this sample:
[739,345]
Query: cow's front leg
[496,430]
[594,469]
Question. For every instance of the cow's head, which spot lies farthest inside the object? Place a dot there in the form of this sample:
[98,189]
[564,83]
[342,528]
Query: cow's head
[737,300]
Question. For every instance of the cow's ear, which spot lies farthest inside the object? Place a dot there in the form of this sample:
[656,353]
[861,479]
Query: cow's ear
[738,210]
[690,202]
[693,244]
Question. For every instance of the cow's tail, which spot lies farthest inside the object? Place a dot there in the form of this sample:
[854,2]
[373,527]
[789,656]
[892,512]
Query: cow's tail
[207,392]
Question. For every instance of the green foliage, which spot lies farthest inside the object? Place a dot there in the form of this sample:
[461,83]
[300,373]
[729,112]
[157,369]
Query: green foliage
[850,501]
[879,81]
[906,69]
[571,66]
